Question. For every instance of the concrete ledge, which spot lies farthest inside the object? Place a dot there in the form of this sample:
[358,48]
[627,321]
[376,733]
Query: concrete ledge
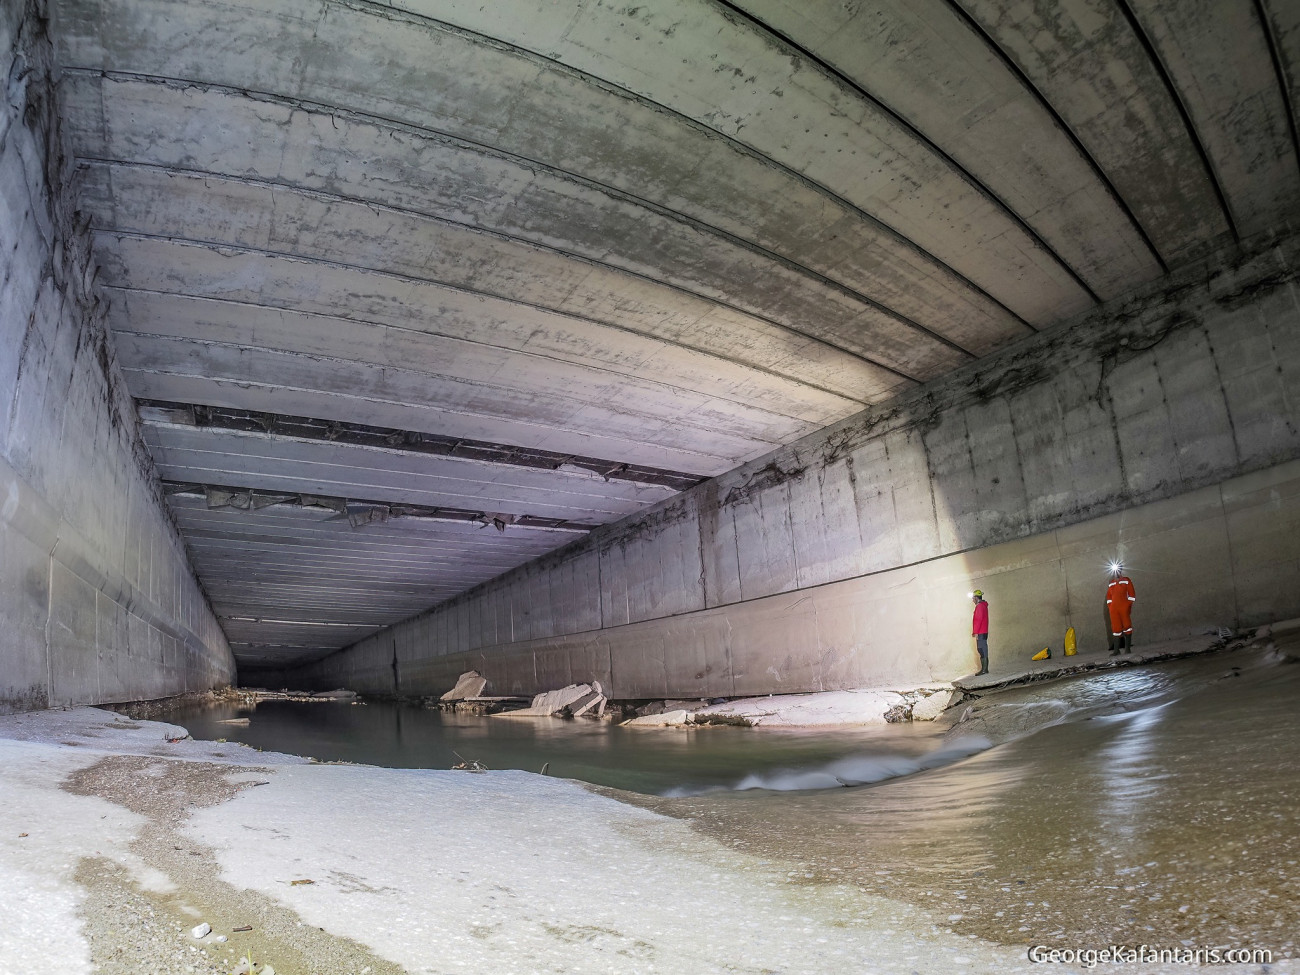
[1059,666]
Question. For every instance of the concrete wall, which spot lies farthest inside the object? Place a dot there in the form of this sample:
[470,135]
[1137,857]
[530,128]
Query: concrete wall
[97,601]
[1163,429]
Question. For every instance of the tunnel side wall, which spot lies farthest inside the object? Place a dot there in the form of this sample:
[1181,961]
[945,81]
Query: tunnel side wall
[97,600]
[1161,429]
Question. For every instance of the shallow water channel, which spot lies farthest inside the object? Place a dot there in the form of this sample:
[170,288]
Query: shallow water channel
[655,761]
[1152,805]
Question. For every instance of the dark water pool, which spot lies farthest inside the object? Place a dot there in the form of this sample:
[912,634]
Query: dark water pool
[648,760]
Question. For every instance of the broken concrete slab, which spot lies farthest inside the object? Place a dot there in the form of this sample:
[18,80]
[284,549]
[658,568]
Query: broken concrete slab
[470,684]
[667,719]
[798,710]
[551,702]
[930,707]
[584,704]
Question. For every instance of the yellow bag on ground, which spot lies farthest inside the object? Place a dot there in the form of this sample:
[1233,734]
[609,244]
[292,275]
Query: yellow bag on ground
[1042,654]
[1071,647]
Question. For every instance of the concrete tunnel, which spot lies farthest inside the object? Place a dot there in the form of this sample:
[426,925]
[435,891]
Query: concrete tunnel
[702,348]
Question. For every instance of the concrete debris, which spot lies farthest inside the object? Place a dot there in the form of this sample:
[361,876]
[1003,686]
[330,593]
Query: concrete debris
[241,722]
[924,703]
[254,696]
[469,684]
[672,704]
[586,703]
[798,710]
[931,706]
[665,719]
[201,930]
[551,702]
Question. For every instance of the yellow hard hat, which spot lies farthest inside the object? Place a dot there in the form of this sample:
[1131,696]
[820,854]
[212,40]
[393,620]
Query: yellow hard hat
[979,593]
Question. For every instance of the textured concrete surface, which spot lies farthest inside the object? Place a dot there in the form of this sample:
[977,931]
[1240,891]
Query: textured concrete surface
[676,235]
[1159,430]
[97,599]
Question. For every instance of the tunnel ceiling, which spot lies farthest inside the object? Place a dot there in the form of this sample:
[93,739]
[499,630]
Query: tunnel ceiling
[413,292]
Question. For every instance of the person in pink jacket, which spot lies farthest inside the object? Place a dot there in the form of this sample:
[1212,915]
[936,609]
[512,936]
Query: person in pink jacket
[979,629]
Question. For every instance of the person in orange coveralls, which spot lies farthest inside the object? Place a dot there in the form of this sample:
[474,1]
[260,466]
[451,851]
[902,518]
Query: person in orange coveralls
[1120,597]
[979,629]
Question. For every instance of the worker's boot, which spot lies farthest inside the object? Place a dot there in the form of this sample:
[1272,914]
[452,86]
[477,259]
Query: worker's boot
[1128,642]
[1114,646]
[984,668]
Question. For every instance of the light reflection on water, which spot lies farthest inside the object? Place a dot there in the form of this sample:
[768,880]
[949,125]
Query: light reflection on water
[1178,821]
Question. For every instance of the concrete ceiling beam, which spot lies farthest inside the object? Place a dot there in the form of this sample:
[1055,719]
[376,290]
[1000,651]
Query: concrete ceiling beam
[560,109]
[150,265]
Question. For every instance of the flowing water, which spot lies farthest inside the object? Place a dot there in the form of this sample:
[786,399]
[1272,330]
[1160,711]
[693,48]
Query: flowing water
[1156,804]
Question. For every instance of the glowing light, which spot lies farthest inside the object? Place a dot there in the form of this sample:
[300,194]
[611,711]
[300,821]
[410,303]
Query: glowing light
[1115,567]
[970,595]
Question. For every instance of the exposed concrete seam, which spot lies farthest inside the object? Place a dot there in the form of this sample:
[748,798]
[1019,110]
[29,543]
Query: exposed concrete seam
[399,509]
[1223,394]
[1184,113]
[965,174]
[1277,364]
[397,442]
[254,384]
[1232,560]
[1010,63]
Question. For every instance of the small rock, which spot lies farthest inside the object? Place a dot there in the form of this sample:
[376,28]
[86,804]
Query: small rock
[222,938]
[201,930]
[899,713]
